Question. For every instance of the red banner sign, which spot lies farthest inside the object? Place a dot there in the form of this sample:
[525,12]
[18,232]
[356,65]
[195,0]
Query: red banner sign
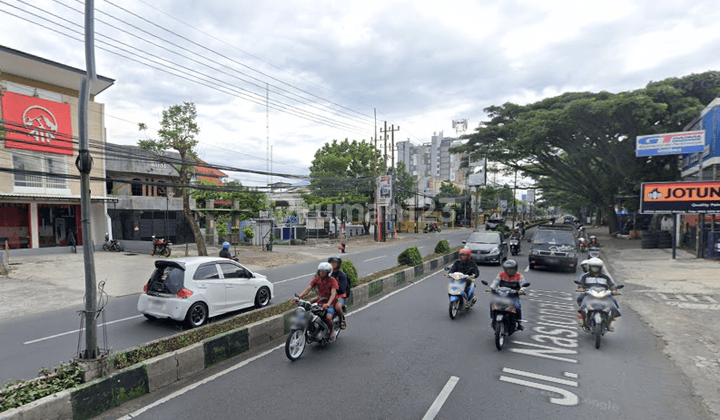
[37,124]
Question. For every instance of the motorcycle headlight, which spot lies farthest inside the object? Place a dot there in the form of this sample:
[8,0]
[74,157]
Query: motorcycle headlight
[599,293]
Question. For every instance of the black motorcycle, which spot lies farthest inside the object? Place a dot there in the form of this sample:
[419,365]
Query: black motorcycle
[112,244]
[514,244]
[308,326]
[597,307]
[432,228]
[504,313]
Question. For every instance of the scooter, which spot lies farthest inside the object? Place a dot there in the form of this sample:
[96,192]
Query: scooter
[161,246]
[597,308]
[514,246]
[112,244]
[456,292]
[582,244]
[593,251]
[504,315]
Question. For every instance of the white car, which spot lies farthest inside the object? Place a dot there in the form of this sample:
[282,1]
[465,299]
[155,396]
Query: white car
[195,289]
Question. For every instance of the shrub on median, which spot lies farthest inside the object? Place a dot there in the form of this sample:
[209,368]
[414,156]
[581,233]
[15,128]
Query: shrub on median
[350,271]
[442,247]
[411,257]
[60,378]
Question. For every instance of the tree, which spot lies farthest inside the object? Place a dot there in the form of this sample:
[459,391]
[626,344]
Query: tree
[448,189]
[178,132]
[342,173]
[404,184]
[579,146]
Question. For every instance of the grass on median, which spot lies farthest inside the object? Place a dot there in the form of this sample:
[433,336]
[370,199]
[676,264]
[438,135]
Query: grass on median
[60,378]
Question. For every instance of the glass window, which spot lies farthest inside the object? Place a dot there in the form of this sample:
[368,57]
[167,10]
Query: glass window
[167,280]
[206,272]
[484,238]
[56,165]
[232,271]
[161,189]
[136,187]
[22,162]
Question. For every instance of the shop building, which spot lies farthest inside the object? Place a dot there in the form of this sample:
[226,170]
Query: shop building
[39,185]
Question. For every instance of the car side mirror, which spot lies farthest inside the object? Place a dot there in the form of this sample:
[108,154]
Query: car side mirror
[447,268]
[576,281]
[464,242]
[620,286]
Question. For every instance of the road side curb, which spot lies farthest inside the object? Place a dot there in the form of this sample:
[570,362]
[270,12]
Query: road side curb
[95,397]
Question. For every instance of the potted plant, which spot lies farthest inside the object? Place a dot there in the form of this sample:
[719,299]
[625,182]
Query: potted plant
[248,234]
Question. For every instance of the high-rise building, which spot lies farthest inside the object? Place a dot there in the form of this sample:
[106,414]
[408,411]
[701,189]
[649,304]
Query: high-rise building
[432,163]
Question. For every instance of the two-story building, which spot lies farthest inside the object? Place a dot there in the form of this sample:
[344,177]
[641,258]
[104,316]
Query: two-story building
[39,184]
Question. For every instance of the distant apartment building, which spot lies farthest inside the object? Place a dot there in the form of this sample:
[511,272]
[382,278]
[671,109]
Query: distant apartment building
[432,163]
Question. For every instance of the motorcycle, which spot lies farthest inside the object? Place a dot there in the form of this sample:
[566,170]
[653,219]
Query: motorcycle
[456,291]
[160,246]
[582,244]
[514,246]
[597,306]
[593,251]
[432,228]
[308,326]
[504,316]
[112,244]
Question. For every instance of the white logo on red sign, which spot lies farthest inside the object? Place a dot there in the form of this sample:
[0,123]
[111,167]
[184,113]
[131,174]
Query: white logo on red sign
[41,122]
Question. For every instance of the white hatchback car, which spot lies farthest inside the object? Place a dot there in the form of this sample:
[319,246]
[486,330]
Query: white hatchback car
[195,289]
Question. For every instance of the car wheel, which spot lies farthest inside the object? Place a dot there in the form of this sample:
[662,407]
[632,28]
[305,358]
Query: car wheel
[197,315]
[150,317]
[262,298]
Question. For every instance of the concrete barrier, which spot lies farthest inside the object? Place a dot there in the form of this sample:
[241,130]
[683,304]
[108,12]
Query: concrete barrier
[93,398]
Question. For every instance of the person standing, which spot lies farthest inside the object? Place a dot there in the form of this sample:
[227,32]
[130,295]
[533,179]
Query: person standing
[343,240]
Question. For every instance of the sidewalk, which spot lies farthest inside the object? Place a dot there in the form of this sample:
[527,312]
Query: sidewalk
[680,301]
[40,283]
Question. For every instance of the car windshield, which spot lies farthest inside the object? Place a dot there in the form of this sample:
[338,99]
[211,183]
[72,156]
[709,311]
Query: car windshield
[484,238]
[554,238]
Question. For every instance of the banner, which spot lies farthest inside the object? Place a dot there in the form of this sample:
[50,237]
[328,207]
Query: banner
[37,124]
[384,190]
[680,197]
[670,144]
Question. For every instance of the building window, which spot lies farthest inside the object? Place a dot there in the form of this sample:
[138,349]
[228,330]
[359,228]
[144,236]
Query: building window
[137,187]
[109,185]
[49,165]
[161,189]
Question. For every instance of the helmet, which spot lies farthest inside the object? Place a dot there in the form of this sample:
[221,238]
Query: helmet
[593,237]
[510,265]
[465,251]
[336,259]
[226,245]
[325,267]
[595,265]
[582,228]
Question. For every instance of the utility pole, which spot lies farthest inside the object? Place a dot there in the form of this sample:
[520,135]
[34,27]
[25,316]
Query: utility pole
[701,217]
[84,165]
[514,200]
[267,127]
[377,214]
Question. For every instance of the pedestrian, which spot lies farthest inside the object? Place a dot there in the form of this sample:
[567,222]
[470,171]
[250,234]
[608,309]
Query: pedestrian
[343,239]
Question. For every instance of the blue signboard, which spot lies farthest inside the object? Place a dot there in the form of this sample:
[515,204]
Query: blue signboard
[670,144]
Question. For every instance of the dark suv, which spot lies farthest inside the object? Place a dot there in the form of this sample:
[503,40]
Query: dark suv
[554,248]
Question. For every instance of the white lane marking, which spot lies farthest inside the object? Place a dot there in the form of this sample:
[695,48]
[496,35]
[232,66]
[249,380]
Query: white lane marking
[376,258]
[527,268]
[76,331]
[294,278]
[541,377]
[571,375]
[190,387]
[568,398]
[420,247]
[440,400]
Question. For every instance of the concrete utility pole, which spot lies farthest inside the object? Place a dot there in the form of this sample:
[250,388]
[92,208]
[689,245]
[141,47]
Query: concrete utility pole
[377,209]
[84,165]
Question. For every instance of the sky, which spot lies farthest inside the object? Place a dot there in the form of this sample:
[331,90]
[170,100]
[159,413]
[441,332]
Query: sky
[420,64]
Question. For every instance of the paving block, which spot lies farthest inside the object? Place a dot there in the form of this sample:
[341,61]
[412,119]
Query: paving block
[388,284]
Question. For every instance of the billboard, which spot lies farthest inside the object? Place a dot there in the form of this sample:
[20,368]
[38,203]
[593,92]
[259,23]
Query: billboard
[680,197]
[37,124]
[670,144]
[384,190]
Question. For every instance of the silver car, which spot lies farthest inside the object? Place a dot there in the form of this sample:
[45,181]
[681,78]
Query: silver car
[487,247]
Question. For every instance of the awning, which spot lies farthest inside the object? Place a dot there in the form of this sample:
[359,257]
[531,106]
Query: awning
[39,198]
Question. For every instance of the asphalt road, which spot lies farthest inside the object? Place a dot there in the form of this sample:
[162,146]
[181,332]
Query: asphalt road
[403,353]
[43,340]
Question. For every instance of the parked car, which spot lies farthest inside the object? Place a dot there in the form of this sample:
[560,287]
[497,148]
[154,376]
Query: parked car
[554,246]
[487,247]
[568,220]
[494,223]
[198,288]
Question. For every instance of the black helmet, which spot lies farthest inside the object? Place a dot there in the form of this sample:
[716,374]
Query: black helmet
[510,265]
[336,259]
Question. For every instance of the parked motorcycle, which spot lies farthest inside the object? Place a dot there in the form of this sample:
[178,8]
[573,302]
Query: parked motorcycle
[160,246]
[514,246]
[308,326]
[112,244]
[504,316]
[433,227]
[456,291]
[597,307]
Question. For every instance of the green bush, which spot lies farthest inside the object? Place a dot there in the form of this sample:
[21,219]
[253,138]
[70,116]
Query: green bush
[442,247]
[350,271]
[248,232]
[410,256]
[60,378]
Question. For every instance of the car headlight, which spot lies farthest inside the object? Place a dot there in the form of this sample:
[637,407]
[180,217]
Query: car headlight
[571,255]
[534,253]
[495,250]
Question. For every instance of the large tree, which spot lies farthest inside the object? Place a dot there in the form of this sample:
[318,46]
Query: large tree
[580,146]
[404,184]
[178,132]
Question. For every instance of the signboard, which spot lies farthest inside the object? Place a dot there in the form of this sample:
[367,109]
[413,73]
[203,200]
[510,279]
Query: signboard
[384,190]
[477,179]
[263,214]
[680,197]
[503,205]
[670,144]
[530,196]
[37,124]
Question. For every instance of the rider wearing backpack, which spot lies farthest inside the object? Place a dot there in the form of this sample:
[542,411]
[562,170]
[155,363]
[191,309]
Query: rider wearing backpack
[343,290]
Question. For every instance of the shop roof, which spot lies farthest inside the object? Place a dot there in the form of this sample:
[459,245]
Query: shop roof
[36,68]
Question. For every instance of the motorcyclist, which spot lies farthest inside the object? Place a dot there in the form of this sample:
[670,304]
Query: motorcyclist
[593,242]
[327,288]
[343,287]
[466,266]
[521,228]
[597,275]
[510,278]
[516,234]
[225,251]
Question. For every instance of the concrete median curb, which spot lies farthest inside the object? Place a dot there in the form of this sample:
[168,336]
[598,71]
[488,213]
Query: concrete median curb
[95,397]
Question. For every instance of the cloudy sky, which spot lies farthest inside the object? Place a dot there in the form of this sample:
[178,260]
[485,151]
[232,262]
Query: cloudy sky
[420,63]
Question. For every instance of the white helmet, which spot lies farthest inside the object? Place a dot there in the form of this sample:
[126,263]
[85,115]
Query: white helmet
[325,267]
[596,263]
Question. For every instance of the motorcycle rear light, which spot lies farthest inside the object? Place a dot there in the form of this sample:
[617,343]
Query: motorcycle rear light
[184,293]
[145,288]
